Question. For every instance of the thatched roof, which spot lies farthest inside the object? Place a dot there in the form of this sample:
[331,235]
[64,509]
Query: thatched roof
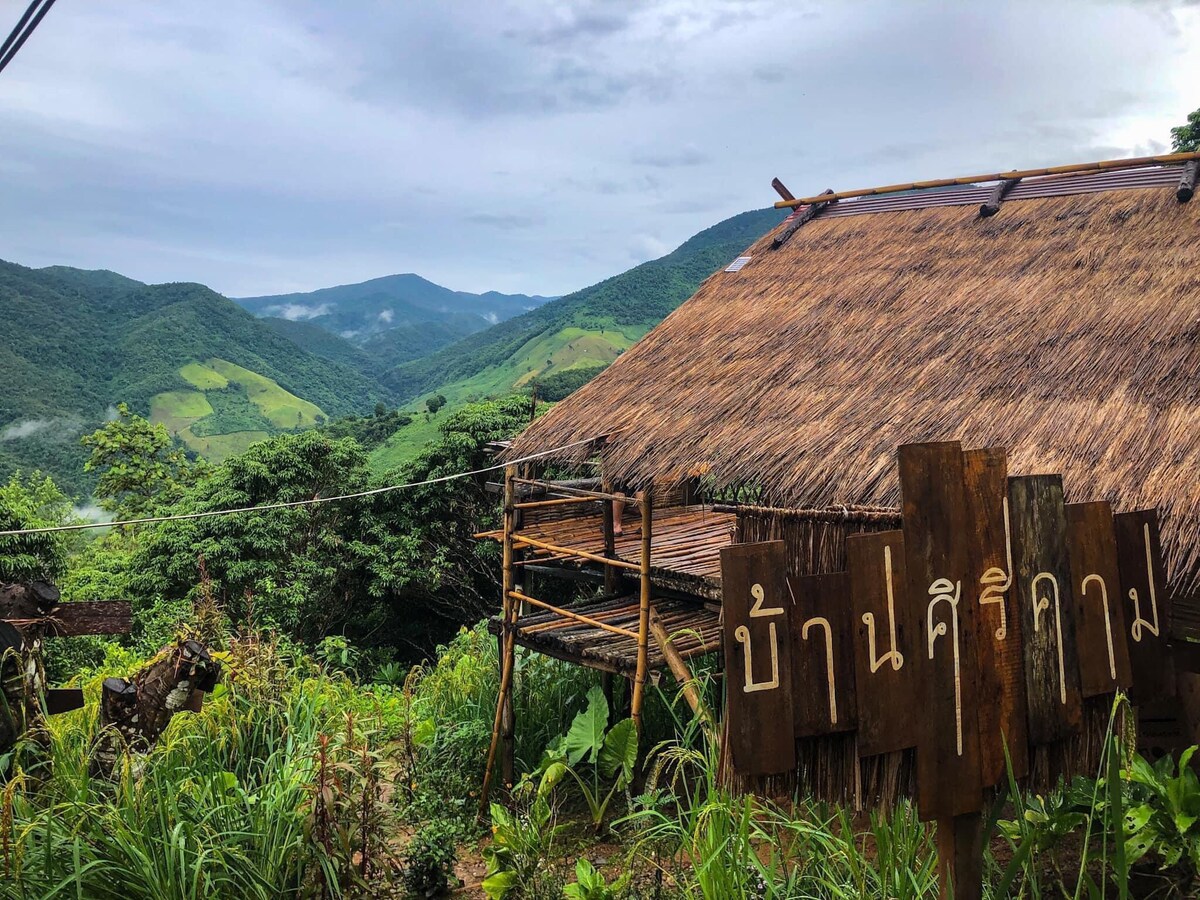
[1064,328]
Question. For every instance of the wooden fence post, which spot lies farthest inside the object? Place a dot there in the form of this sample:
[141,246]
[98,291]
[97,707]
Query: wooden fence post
[504,711]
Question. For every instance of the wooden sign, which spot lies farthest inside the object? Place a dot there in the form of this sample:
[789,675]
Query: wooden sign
[886,645]
[1099,612]
[822,655]
[758,672]
[998,630]
[1146,603]
[932,489]
[1042,579]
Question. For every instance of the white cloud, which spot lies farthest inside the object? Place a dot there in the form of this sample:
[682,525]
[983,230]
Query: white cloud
[296,312]
[25,428]
[386,316]
[491,317]
[517,146]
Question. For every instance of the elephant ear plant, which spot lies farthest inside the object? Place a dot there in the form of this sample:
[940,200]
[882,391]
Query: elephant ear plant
[600,760]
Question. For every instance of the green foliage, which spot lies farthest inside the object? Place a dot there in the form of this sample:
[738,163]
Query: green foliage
[1163,817]
[140,466]
[369,431]
[521,841]
[591,885]
[32,502]
[271,791]
[1186,138]
[434,403]
[611,754]
[560,385]
[429,859]
[232,411]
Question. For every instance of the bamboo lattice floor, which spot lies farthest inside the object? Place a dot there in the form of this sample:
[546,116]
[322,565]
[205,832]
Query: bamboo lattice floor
[685,542]
[695,629]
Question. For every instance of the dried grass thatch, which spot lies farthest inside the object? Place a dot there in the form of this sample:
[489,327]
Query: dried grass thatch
[1066,329]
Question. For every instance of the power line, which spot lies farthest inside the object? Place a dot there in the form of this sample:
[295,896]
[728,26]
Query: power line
[20,34]
[49,529]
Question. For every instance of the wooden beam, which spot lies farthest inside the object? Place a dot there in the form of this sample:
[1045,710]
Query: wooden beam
[507,637]
[1108,164]
[991,206]
[782,190]
[1187,183]
[90,617]
[678,668]
[800,221]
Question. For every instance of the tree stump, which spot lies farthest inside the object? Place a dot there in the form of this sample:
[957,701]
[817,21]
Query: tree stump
[135,712]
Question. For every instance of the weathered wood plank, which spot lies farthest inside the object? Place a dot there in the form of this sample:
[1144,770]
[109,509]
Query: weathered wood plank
[886,646]
[1147,603]
[823,686]
[998,624]
[1100,614]
[938,566]
[1042,580]
[758,665]
[90,617]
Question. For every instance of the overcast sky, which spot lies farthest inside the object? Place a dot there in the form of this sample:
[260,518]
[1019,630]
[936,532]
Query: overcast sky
[263,147]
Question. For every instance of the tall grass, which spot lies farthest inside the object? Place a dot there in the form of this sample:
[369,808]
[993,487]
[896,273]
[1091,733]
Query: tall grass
[227,805]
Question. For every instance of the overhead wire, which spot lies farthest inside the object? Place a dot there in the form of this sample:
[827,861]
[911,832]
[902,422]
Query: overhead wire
[24,28]
[150,520]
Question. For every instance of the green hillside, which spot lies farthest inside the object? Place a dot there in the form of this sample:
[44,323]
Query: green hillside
[78,342]
[565,341]
[629,304]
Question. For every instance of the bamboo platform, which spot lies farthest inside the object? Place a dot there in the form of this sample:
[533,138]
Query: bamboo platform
[695,629]
[685,544]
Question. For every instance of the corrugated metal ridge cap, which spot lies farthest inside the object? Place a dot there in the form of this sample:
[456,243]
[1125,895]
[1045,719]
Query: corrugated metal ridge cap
[1028,189]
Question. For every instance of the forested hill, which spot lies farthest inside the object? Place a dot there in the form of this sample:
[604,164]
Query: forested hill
[76,342]
[596,322]
[358,311]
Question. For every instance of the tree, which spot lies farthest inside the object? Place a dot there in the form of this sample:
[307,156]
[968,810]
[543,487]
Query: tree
[380,410]
[141,465]
[434,403]
[32,502]
[1186,138]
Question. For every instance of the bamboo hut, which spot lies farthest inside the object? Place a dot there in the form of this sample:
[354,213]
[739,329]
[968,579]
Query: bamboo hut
[1057,315]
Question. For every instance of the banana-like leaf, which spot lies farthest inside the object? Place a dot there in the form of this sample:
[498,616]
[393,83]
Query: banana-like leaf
[586,734]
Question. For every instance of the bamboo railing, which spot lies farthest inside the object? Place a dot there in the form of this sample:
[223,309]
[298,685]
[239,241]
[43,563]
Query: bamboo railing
[513,599]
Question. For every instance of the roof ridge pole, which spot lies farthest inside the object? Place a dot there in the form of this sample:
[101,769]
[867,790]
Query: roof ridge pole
[991,206]
[1187,183]
[639,684]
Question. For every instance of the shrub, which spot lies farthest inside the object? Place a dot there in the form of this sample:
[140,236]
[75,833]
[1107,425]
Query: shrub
[429,859]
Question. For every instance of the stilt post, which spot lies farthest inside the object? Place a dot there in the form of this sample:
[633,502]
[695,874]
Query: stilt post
[504,711]
[960,857]
[645,500]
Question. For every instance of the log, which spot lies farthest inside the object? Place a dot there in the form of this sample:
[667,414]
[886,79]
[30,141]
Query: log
[13,705]
[134,713]
[34,607]
[678,668]
[991,206]
[1187,183]
[800,221]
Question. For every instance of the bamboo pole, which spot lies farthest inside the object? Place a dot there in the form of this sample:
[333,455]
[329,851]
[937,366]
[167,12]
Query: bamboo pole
[678,668]
[1104,165]
[507,634]
[594,557]
[639,684]
[557,501]
[552,488]
[595,623]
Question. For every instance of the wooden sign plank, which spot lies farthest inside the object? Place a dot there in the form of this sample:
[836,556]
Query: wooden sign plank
[756,609]
[1146,601]
[1042,580]
[886,642]
[822,655]
[998,623]
[90,617]
[1099,612]
[938,568]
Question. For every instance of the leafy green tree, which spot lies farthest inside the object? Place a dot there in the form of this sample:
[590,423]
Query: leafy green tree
[141,466]
[434,403]
[1186,138]
[32,502]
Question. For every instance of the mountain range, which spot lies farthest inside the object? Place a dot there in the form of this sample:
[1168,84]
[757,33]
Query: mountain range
[221,374]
